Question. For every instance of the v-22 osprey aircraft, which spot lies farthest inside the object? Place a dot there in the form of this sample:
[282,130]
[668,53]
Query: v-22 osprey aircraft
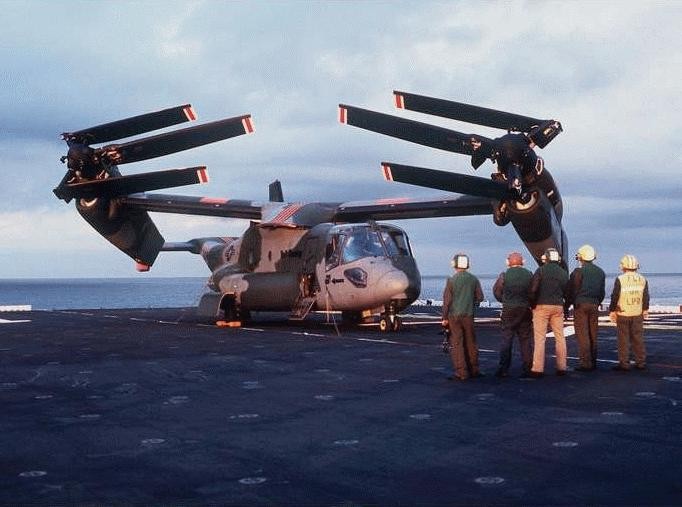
[295,257]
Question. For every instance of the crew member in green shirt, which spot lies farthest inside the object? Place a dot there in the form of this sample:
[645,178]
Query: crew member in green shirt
[461,295]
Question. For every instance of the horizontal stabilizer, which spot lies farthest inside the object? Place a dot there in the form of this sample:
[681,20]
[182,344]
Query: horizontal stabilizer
[133,126]
[177,140]
[443,180]
[416,132]
[116,186]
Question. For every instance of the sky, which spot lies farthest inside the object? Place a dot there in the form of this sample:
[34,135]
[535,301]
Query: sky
[609,71]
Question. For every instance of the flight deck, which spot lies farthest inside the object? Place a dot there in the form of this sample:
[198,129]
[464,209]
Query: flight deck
[157,407]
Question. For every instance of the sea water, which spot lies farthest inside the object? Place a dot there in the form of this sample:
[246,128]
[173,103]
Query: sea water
[148,292]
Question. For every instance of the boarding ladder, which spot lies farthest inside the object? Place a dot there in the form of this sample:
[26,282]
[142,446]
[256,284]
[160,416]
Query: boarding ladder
[302,307]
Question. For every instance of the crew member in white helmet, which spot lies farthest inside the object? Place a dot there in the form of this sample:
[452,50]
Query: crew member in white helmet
[461,296]
[586,291]
[628,309]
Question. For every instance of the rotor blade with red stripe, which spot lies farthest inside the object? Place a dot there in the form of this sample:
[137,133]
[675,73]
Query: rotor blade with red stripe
[465,112]
[444,180]
[116,186]
[133,126]
[178,140]
[414,131]
[447,205]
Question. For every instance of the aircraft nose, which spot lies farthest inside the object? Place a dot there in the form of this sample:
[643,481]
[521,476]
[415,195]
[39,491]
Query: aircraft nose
[394,284]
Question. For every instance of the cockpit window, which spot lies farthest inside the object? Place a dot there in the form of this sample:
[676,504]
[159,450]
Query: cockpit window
[362,243]
[333,250]
[396,243]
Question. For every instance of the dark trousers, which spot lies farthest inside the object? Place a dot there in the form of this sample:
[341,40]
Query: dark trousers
[586,322]
[463,347]
[516,321]
[631,332]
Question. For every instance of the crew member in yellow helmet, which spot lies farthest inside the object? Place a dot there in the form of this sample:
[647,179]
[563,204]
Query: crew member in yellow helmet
[629,307]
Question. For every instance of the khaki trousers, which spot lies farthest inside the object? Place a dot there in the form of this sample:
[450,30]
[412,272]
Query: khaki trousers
[631,332]
[554,316]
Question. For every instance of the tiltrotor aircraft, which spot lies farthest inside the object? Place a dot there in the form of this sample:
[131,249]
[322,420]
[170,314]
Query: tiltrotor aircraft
[522,190]
[295,257]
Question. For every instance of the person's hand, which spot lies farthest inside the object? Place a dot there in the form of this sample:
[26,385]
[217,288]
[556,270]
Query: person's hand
[645,314]
[444,323]
[613,316]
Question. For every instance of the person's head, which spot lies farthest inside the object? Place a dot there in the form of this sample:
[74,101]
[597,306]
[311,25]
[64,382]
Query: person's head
[514,259]
[460,262]
[629,263]
[551,255]
[586,253]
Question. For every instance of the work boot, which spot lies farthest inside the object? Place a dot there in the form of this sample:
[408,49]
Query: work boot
[536,374]
[620,367]
[561,373]
[501,373]
[582,368]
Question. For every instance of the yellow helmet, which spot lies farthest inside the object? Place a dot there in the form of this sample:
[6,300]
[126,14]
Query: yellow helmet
[586,253]
[629,263]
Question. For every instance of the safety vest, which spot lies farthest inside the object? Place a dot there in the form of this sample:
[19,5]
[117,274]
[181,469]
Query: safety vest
[631,294]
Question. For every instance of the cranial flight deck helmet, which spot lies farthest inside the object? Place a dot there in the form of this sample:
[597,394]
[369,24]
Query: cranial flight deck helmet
[629,263]
[550,255]
[586,253]
[514,259]
[460,261]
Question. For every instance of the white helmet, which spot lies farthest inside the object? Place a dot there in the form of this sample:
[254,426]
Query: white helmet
[586,253]
[460,261]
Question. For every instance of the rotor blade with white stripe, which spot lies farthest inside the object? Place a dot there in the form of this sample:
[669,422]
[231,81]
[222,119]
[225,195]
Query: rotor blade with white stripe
[444,180]
[133,126]
[116,186]
[416,132]
[178,140]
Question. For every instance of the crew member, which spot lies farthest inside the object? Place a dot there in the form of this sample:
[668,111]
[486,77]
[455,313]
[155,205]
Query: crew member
[511,289]
[628,309]
[547,295]
[461,295]
[586,291]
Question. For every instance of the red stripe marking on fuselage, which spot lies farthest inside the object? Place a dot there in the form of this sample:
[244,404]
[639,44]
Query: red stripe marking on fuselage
[189,113]
[248,125]
[343,115]
[388,176]
[286,213]
[399,101]
[202,174]
[213,200]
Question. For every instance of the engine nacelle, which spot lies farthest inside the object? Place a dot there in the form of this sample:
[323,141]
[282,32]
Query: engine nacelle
[131,231]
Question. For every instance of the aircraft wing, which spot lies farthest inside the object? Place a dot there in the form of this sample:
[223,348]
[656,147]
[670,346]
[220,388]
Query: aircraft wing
[192,205]
[448,205]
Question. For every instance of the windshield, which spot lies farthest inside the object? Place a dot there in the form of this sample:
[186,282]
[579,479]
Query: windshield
[396,242]
[362,243]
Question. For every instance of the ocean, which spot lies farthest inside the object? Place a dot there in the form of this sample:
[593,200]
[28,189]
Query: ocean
[91,293]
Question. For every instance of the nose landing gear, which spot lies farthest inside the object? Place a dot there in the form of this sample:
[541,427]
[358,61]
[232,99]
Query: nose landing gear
[390,320]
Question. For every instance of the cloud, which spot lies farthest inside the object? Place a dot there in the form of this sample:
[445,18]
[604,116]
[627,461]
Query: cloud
[610,71]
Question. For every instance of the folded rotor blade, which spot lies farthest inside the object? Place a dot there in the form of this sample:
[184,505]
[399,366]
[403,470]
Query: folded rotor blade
[133,126]
[178,140]
[116,186]
[465,112]
[443,180]
[414,131]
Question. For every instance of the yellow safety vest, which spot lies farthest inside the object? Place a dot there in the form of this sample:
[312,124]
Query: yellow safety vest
[631,294]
